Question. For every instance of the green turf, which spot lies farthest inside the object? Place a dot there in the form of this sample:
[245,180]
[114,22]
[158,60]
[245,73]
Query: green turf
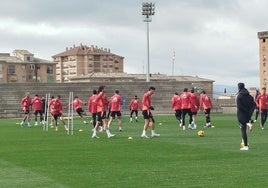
[30,157]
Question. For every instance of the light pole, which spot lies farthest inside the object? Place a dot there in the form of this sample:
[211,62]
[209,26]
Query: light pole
[148,11]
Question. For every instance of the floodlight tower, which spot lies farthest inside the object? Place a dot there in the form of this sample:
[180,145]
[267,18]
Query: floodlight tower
[148,11]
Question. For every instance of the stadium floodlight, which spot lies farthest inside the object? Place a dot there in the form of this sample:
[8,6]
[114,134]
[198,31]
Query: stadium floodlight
[148,10]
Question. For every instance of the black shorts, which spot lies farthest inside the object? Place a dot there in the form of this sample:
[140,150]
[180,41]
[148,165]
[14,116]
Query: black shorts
[117,113]
[147,114]
[207,111]
[26,110]
[38,112]
[101,116]
[194,113]
[56,116]
[79,111]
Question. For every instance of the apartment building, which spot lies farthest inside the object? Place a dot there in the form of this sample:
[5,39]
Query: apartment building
[83,60]
[23,67]
[263,51]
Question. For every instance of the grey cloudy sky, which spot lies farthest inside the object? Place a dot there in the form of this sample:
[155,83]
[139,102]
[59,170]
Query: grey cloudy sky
[214,39]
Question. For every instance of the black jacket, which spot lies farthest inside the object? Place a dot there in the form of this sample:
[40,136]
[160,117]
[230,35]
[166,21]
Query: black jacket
[245,106]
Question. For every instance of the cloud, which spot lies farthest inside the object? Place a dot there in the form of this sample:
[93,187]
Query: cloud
[211,38]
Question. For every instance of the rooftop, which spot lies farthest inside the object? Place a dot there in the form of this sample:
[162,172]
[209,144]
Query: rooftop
[263,34]
[7,58]
[85,50]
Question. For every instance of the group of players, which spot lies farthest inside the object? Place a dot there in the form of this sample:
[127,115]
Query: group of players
[98,105]
[40,106]
[104,110]
[189,103]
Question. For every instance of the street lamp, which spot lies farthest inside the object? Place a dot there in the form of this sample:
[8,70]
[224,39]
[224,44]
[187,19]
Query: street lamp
[148,11]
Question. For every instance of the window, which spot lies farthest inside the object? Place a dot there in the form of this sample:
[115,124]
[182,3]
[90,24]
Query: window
[64,59]
[264,57]
[24,78]
[11,69]
[49,69]
[23,67]
[96,58]
[32,66]
[71,58]
[28,58]
[263,40]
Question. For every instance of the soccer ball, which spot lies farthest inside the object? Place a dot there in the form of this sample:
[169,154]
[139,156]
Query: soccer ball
[201,133]
[91,121]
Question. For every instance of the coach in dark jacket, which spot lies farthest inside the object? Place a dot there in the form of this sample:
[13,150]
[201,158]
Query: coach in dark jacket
[245,107]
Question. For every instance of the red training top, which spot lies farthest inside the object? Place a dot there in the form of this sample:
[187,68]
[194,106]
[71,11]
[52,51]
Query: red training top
[194,102]
[205,101]
[92,103]
[185,100]
[55,106]
[25,103]
[262,101]
[146,100]
[134,104]
[37,103]
[176,102]
[115,102]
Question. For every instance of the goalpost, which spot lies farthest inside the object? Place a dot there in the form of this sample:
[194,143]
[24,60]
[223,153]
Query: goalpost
[46,113]
[70,114]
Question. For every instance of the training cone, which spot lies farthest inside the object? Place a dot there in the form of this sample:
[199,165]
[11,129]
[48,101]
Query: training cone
[130,138]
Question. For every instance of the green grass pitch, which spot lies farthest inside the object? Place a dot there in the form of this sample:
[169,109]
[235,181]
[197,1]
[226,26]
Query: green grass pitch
[31,157]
